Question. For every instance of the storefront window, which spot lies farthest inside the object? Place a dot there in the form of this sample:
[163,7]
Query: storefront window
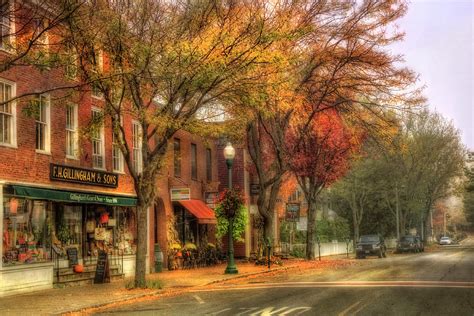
[110,228]
[26,231]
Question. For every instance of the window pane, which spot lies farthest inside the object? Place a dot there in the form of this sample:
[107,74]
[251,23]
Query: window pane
[208,164]
[193,161]
[177,157]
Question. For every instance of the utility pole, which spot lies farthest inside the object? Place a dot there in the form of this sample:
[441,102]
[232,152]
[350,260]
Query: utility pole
[397,211]
[444,223]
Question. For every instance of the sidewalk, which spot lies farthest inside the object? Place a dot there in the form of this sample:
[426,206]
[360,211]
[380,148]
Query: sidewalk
[73,299]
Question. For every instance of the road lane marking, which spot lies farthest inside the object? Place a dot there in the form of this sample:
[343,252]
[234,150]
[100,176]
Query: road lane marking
[200,300]
[423,284]
[301,310]
[268,311]
[359,309]
[221,311]
[344,312]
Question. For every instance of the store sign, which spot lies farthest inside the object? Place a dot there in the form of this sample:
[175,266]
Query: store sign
[93,198]
[180,194]
[292,212]
[83,176]
[254,189]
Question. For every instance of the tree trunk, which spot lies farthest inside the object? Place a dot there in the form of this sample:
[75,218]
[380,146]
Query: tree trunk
[269,228]
[142,228]
[311,230]
[403,223]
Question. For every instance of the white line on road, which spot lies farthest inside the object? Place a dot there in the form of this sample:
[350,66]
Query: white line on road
[200,300]
[221,311]
[344,312]
[424,284]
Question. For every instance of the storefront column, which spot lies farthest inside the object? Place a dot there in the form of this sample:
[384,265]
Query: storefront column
[1,223]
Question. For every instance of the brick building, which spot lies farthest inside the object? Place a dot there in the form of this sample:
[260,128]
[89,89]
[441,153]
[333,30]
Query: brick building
[186,194]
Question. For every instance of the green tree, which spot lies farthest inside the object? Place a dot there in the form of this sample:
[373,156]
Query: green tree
[468,198]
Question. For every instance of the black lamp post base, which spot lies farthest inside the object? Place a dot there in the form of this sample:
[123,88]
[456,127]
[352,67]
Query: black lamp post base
[231,270]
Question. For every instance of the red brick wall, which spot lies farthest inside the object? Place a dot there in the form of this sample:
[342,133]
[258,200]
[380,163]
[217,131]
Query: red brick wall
[198,186]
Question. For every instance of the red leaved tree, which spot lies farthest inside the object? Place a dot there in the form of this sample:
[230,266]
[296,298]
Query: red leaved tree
[320,157]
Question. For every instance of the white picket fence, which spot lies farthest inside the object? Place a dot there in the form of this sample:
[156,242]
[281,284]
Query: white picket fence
[330,248]
[327,248]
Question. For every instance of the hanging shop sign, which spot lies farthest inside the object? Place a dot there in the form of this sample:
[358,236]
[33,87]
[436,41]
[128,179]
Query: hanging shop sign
[83,176]
[254,189]
[180,194]
[292,212]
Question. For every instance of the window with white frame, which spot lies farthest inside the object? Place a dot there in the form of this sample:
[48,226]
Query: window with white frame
[117,156]
[137,146]
[40,35]
[71,67]
[97,137]
[71,131]
[5,24]
[43,124]
[7,115]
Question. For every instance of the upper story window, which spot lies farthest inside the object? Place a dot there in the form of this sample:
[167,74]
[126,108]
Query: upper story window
[194,173]
[7,115]
[71,131]
[177,157]
[40,36]
[43,124]
[71,67]
[95,91]
[137,146]
[208,164]
[5,24]
[117,156]
[98,144]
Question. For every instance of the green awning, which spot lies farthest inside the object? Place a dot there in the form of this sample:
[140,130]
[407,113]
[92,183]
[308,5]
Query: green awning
[74,197]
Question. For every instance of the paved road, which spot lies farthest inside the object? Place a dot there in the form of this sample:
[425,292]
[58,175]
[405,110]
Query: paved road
[435,283]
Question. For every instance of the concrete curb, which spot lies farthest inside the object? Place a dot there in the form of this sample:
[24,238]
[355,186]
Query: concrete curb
[171,290]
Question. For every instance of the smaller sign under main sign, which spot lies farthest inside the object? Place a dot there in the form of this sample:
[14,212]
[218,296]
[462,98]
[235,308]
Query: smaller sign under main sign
[180,194]
[292,212]
[254,189]
[83,176]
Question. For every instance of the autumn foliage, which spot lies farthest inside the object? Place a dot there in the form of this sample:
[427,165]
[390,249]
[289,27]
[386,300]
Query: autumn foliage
[324,150]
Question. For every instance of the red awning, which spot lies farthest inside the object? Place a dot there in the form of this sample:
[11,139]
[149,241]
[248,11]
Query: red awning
[203,213]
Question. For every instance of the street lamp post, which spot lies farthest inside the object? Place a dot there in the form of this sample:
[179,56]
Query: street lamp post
[229,154]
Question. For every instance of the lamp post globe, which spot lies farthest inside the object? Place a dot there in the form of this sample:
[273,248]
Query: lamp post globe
[229,155]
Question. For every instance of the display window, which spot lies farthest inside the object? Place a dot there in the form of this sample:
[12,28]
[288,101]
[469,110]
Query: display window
[27,230]
[110,228]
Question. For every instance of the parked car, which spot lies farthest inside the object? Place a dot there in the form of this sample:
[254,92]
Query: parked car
[410,244]
[370,245]
[445,241]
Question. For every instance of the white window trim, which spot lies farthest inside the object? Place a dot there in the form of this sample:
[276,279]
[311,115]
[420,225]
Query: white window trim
[13,143]
[140,167]
[12,30]
[47,138]
[102,136]
[121,157]
[76,133]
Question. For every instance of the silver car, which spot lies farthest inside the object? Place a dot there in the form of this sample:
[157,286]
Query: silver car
[445,241]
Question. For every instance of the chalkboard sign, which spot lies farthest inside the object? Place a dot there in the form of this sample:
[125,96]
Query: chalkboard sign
[72,256]
[102,270]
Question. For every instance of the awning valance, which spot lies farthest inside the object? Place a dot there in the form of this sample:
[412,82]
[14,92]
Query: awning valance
[200,210]
[72,197]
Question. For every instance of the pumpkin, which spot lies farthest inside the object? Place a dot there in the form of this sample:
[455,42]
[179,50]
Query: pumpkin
[78,268]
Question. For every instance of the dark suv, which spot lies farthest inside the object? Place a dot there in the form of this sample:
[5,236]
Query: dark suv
[370,245]
[410,243]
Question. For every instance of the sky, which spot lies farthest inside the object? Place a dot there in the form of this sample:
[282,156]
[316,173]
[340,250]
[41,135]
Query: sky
[438,45]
